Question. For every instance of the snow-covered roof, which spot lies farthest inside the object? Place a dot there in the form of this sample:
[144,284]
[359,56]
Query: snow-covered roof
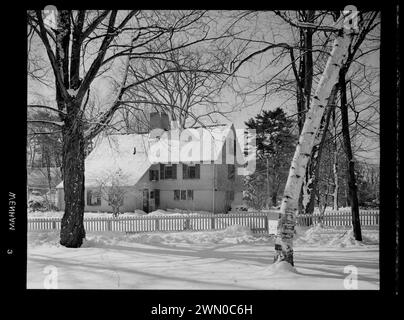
[190,145]
[38,177]
[116,152]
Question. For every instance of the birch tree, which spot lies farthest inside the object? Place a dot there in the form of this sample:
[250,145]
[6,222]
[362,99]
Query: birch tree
[367,22]
[289,206]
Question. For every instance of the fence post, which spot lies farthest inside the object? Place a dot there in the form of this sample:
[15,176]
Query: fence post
[213,223]
[187,223]
[266,223]
[156,224]
[109,225]
[53,224]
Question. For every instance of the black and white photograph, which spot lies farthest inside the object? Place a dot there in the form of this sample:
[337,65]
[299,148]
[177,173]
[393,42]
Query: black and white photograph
[190,149]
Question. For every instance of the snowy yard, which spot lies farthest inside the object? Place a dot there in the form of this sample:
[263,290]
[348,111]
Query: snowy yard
[229,259]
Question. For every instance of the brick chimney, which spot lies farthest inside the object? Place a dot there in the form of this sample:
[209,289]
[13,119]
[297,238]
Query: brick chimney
[159,120]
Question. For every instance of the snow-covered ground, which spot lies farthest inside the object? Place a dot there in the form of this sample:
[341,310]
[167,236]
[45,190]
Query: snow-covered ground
[233,258]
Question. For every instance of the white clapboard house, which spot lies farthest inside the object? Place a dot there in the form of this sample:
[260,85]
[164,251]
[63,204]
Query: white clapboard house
[166,168]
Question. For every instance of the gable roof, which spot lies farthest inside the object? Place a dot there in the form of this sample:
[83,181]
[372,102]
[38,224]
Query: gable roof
[116,152]
[205,145]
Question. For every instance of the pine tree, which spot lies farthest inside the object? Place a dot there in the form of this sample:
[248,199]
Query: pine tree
[275,146]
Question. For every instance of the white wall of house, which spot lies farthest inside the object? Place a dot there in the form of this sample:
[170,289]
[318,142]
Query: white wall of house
[132,200]
[203,198]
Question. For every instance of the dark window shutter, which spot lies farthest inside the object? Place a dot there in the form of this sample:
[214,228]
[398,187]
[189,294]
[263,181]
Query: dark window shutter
[174,171]
[161,171]
[197,171]
[150,175]
[184,171]
[157,197]
[231,170]
[191,172]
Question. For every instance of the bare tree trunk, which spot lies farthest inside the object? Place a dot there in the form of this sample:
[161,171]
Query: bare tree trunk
[347,204]
[314,164]
[335,165]
[268,185]
[274,197]
[72,228]
[325,202]
[336,185]
[308,59]
[306,76]
[353,193]
[49,177]
[286,223]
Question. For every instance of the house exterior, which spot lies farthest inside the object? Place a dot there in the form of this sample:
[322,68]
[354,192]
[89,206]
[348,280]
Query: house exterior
[38,178]
[38,182]
[166,170]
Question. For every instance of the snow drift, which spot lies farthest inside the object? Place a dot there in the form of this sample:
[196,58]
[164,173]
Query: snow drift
[235,234]
[334,237]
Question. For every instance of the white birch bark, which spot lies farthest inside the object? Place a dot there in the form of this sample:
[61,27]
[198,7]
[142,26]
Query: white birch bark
[289,206]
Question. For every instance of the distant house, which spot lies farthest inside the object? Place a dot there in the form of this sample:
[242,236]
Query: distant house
[165,170]
[38,182]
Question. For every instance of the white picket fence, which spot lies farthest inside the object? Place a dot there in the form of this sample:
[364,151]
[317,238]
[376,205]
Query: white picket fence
[335,218]
[258,222]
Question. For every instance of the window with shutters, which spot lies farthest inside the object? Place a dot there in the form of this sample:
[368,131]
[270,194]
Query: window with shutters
[176,195]
[190,194]
[183,194]
[191,172]
[170,172]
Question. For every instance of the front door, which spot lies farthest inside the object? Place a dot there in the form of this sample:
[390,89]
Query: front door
[146,200]
[157,198]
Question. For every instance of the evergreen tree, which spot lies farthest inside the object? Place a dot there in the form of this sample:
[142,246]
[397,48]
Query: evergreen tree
[275,147]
